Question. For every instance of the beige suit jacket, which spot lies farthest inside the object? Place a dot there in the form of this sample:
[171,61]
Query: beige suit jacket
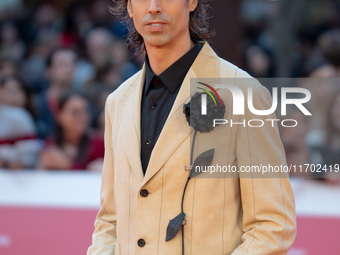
[224,215]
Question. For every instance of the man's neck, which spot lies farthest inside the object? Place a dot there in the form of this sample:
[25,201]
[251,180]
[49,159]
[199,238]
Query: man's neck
[160,58]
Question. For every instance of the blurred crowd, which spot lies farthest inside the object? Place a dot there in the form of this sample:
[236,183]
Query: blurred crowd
[56,70]
[57,66]
[301,39]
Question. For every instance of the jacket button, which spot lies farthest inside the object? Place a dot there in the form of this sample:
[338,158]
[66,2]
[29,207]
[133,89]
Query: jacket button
[141,242]
[144,192]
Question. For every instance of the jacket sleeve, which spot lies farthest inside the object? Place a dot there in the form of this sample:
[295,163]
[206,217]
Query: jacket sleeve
[104,236]
[269,221]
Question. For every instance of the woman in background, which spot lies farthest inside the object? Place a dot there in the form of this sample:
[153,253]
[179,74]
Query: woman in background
[16,93]
[73,145]
[19,145]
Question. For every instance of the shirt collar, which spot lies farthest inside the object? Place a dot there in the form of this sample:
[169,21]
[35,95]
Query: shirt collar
[174,75]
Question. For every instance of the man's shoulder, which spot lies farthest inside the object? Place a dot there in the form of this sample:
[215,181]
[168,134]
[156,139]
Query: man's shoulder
[229,70]
[226,68]
[123,90]
[240,78]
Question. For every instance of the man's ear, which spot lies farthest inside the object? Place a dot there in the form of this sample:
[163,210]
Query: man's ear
[193,4]
[129,8]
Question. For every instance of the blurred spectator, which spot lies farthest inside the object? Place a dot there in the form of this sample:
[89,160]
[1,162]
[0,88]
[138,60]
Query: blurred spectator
[258,62]
[293,139]
[10,44]
[8,67]
[18,144]
[100,13]
[60,67]
[98,43]
[97,46]
[329,154]
[319,80]
[117,69]
[112,63]
[101,86]
[16,93]
[33,66]
[73,145]
[77,24]
[46,17]
[120,59]
[9,4]
[330,46]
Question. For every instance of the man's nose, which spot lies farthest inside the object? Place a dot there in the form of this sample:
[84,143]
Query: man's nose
[155,6]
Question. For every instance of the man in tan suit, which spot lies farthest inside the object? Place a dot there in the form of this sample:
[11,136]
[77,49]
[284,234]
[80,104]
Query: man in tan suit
[147,150]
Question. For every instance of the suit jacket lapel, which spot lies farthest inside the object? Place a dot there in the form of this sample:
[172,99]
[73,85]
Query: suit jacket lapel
[131,125]
[176,128]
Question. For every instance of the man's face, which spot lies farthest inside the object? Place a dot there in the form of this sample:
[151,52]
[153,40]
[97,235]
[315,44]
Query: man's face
[162,22]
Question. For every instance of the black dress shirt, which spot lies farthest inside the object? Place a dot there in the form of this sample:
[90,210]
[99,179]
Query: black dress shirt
[159,94]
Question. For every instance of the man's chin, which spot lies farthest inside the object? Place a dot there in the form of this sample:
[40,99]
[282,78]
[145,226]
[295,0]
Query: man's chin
[157,42]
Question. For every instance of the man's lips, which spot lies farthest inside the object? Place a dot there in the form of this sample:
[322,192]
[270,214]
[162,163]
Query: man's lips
[156,25]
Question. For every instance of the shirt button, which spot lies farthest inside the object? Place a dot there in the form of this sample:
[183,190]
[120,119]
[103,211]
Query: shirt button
[141,242]
[144,192]
[148,141]
[153,105]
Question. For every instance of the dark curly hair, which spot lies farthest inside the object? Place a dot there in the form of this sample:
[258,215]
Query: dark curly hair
[198,24]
